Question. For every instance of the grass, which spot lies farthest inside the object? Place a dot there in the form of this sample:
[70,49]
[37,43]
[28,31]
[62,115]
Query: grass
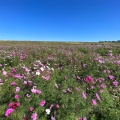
[77,81]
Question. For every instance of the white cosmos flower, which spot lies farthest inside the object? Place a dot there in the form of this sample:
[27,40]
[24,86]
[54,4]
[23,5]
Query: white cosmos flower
[47,111]
[52,69]
[42,69]
[37,73]
[48,67]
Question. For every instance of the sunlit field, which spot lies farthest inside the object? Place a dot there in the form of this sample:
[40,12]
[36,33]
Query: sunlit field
[59,81]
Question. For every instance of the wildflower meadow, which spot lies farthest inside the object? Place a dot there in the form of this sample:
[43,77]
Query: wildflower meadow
[59,81]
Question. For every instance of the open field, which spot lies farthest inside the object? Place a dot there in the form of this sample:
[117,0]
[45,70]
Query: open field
[59,81]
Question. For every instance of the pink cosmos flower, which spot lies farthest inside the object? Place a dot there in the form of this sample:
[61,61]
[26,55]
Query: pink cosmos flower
[84,65]
[13,70]
[106,71]
[42,103]
[11,104]
[12,74]
[38,92]
[92,87]
[78,77]
[115,83]
[1,83]
[77,89]
[27,95]
[101,90]
[34,116]
[31,109]
[98,86]
[18,76]
[98,97]
[17,96]
[118,89]
[21,60]
[24,118]
[9,111]
[101,80]
[82,118]
[94,102]
[111,77]
[110,51]
[46,77]
[64,91]
[30,83]
[103,85]
[17,89]
[66,77]
[27,70]
[69,90]
[51,106]
[13,84]
[101,61]
[57,106]
[25,82]
[53,118]
[33,90]
[4,73]
[110,54]
[84,95]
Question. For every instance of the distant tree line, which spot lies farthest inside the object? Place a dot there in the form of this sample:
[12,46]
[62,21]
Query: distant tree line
[110,41]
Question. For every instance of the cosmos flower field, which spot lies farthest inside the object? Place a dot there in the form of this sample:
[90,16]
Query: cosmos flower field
[59,81]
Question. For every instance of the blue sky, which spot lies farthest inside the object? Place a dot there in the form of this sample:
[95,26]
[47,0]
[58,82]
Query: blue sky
[60,20]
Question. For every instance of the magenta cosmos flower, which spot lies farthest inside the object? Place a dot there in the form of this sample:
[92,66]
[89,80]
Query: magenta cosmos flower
[9,112]
[42,103]
[14,105]
[89,79]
